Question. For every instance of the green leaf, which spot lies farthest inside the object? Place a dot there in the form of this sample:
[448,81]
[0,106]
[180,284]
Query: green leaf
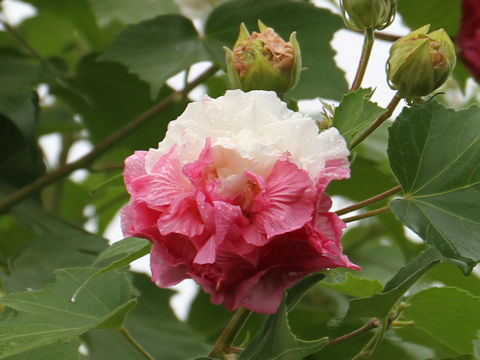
[114,181]
[355,113]
[297,291]
[437,13]
[314,26]
[131,11]
[434,153]
[48,315]
[379,305]
[275,341]
[152,324]
[17,100]
[60,350]
[107,97]
[438,311]
[77,12]
[157,49]
[355,286]
[117,256]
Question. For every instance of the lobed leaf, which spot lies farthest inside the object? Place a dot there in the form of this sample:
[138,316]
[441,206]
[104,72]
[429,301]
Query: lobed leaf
[434,152]
[355,113]
[438,310]
[49,315]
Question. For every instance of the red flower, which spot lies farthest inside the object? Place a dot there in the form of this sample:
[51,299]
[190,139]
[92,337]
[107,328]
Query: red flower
[469,36]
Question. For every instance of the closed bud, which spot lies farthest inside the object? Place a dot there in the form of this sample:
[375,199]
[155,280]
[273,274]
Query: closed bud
[263,61]
[368,14]
[420,62]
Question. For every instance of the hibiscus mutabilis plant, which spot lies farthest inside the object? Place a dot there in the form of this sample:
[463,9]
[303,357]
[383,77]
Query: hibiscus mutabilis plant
[236,195]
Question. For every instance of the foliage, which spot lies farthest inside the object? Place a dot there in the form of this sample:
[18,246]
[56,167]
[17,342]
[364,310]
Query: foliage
[106,65]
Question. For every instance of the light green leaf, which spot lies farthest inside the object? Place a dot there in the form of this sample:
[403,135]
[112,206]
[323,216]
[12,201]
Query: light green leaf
[314,26]
[379,305]
[437,13]
[49,315]
[157,49]
[434,152]
[448,314]
[153,325]
[60,350]
[275,341]
[131,11]
[355,286]
[114,181]
[117,256]
[355,113]
[77,12]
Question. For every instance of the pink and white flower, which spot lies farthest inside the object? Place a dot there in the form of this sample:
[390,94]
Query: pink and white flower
[234,198]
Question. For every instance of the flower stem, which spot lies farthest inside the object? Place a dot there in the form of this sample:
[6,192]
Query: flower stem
[390,108]
[101,148]
[132,341]
[368,40]
[369,201]
[367,214]
[372,324]
[230,332]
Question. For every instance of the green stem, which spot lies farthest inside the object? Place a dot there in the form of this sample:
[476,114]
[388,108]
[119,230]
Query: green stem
[372,324]
[367,214]
[369,201]
[368,40]
[101,148]
[232,329]
[390,108]
[132,341]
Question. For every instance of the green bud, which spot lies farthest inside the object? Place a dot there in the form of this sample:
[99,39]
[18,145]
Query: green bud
[420,62]
[368,14]
[263,61]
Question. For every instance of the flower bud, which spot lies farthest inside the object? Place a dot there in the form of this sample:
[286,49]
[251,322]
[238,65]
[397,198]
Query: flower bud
[420,62]
[263,61]
[368,14]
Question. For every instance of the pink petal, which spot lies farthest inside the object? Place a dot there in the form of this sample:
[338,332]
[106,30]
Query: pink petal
[134,167]
[163,274]
[285,205]
[165,186]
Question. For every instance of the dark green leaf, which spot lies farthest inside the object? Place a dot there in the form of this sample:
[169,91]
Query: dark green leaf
[379,305]
[18,78]
[297,291]
[60,350]
[57,119]
[438,310]
[157,49]
[275,341]
[107,98]
[434,152]
[438,13]
[355,113]
[314,26]
[355,286]
[48,315]
[117,256]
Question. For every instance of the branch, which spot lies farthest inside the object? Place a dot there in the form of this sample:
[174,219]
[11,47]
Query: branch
[390,108]
[367,214]
[372,324]
[369,201]
[102,147]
